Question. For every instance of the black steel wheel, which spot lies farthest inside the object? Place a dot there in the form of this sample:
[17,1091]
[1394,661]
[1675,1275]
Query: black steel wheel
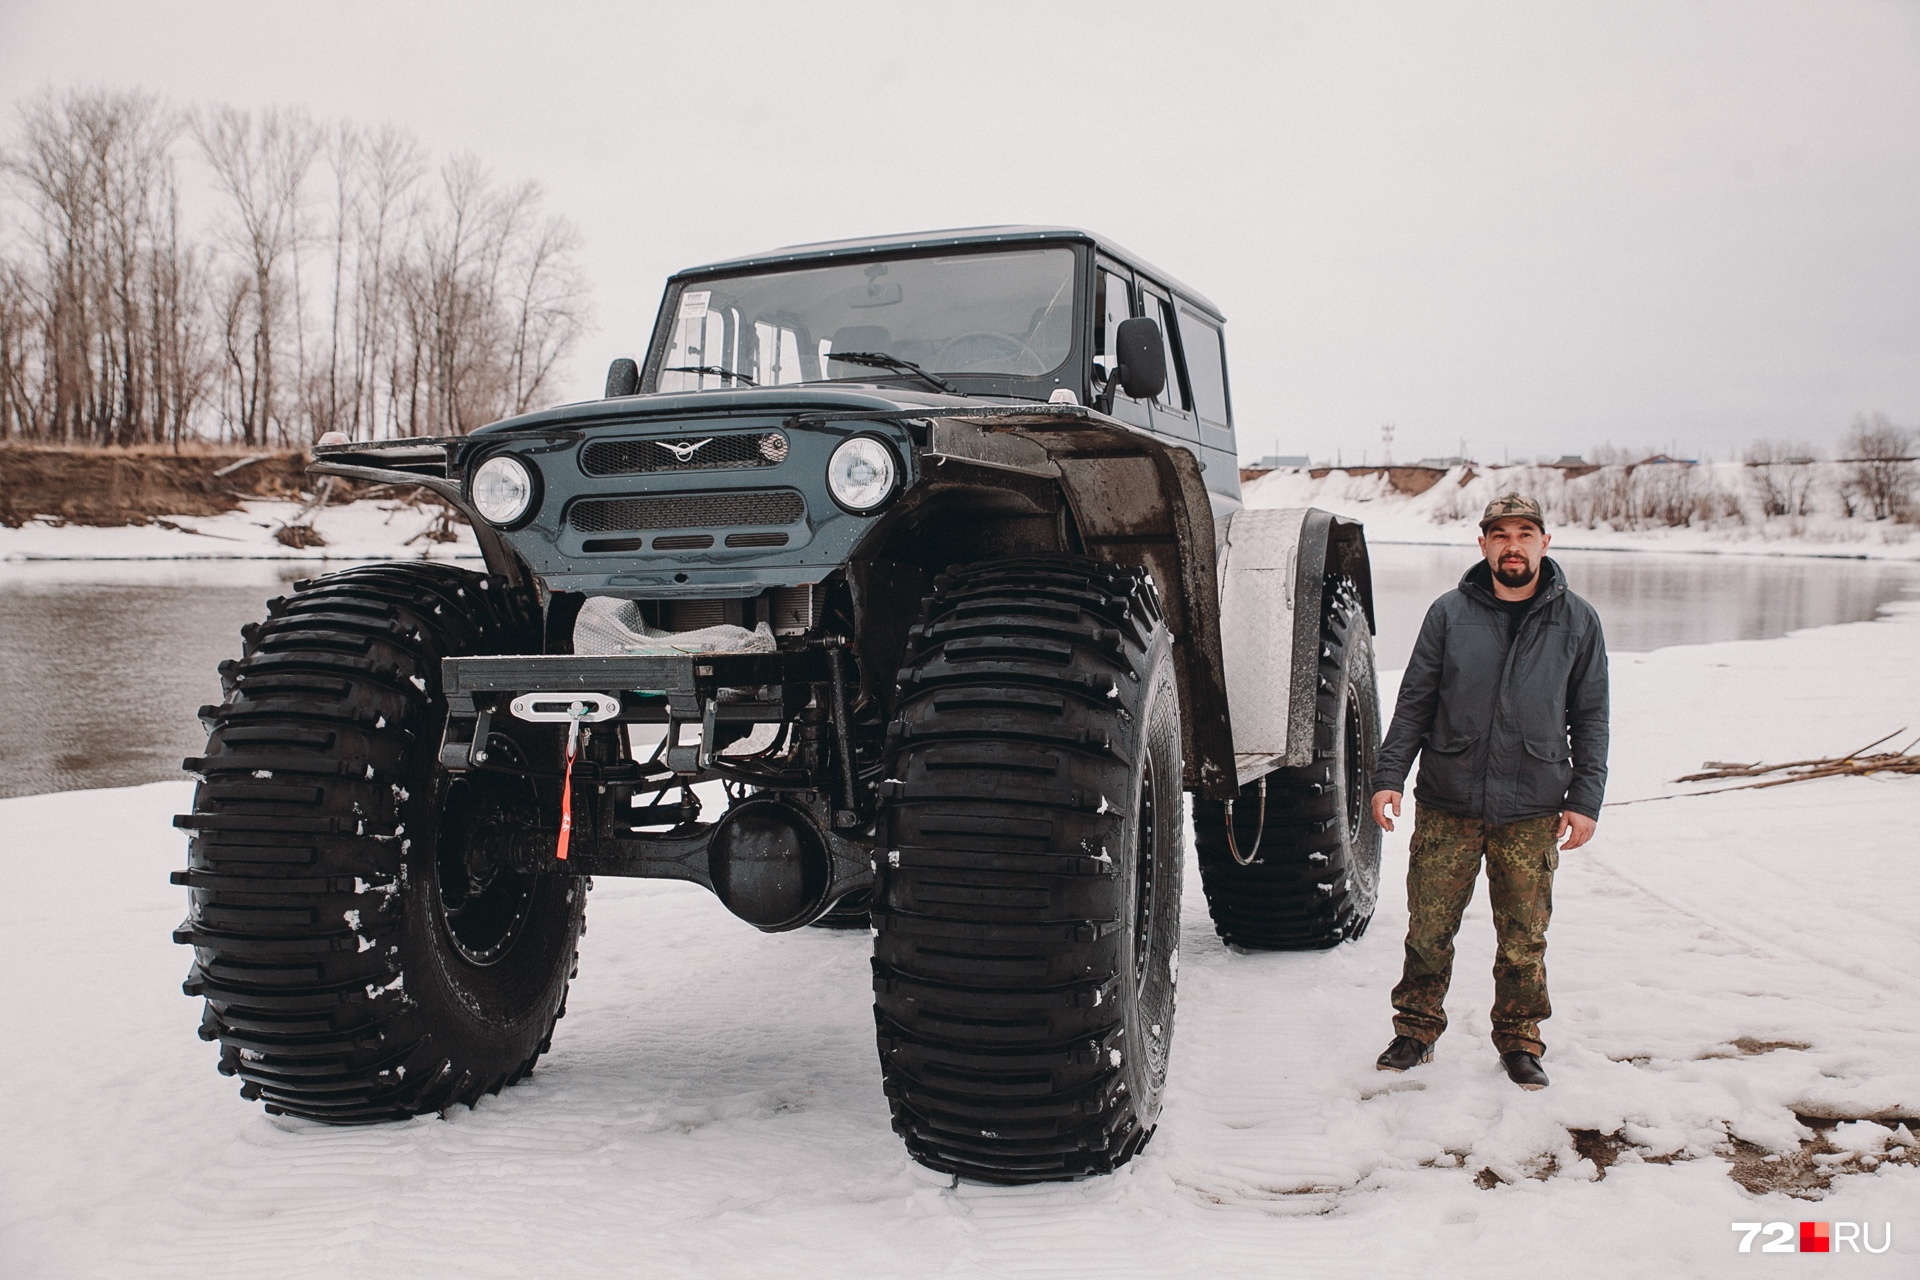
[364,948]
[1315,876]
[1027,915]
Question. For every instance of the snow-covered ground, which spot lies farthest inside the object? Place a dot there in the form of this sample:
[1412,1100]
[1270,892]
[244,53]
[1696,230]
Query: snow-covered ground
[1446,514]
[712,1104]
[372,529]
[1449,512]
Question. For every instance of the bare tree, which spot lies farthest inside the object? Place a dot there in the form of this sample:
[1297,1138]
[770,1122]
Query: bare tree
[1881,465]
[1781,474]
[102,341]
[386,215]
[340,291]
[492,302]
[547,309]
[261,163]
[19,403]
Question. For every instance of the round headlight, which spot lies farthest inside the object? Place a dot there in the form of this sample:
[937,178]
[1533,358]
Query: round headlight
[502,489]
[862,473]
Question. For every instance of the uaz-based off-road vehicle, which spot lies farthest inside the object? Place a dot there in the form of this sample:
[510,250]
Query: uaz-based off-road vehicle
[905,582]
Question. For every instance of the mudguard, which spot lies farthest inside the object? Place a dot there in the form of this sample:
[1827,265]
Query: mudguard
[1272,570]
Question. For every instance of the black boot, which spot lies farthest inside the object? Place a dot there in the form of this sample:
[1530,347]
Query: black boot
[1524,1069]
[1403,1053]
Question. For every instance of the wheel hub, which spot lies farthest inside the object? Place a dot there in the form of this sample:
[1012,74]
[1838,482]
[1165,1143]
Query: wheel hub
[482,903]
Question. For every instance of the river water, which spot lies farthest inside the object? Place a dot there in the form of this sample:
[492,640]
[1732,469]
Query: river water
[102,666]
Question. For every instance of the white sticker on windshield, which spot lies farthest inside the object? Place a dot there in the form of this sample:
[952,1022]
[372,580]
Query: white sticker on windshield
[693,304]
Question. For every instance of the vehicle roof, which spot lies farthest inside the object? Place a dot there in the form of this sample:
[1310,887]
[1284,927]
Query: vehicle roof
[828,250]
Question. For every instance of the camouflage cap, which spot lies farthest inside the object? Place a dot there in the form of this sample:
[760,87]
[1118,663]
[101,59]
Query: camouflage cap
[1512,505]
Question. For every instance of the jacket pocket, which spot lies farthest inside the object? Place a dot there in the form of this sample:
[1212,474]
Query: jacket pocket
[1447,772]
[1551,752]
[1546,771]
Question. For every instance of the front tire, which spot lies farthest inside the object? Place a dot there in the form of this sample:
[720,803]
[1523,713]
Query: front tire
[364,952]
[1316,873]
[1028,907]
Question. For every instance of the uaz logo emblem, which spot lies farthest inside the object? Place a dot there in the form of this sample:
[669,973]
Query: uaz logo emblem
[684,451]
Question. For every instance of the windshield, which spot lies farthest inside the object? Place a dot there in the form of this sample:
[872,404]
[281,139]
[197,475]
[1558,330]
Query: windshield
[1004,314]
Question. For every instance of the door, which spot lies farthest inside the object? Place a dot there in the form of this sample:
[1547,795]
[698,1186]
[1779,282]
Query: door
[1114,300]
[1173,407]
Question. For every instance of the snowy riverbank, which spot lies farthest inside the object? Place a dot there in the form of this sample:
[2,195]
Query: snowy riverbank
[1725,969]
[1446,514]
[1727,522]
[370,529]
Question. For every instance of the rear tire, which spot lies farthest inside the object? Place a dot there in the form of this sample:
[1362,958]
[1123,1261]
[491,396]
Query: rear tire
[363,952]
[1028,907]
[1316,876]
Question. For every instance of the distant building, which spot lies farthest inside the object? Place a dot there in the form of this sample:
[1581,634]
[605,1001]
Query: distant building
[1274,461]
[1572,466]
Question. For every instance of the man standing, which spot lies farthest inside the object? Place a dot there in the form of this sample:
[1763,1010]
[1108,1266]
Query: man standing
[1505,702]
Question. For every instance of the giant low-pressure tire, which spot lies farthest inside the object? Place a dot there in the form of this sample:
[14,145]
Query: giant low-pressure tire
[1316,872]
[1027,913]
[363,953]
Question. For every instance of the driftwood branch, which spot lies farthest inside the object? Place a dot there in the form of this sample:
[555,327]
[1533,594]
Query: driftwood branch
[1855,764]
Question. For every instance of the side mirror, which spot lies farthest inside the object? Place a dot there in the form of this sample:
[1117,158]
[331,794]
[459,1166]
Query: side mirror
[623,377]
[1140,357]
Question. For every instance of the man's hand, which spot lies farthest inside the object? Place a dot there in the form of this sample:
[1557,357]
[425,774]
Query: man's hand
[1383,799]
[1575,828]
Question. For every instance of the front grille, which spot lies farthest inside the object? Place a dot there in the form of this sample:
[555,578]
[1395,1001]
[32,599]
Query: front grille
[701,453]
[687,511]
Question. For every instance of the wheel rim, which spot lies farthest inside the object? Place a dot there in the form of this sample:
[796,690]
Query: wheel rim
[1145,876]
[481,902]
[1356,782]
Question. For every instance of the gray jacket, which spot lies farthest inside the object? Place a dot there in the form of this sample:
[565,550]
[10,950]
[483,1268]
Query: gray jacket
[1504,731]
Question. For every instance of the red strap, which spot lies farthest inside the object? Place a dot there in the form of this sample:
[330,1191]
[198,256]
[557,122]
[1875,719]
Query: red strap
[566,795]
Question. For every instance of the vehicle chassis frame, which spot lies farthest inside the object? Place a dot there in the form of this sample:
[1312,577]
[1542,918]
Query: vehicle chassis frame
[676,691]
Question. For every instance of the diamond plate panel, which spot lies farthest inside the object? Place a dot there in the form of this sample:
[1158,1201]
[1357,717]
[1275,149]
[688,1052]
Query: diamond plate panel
[1259,569]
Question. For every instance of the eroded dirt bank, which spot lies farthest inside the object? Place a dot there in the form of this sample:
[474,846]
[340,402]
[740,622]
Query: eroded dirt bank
[136,485]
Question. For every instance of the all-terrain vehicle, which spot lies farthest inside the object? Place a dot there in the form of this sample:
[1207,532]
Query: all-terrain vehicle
[904,583]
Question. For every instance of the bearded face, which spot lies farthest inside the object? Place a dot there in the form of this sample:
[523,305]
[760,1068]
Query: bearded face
[1513,548]
[1515,572]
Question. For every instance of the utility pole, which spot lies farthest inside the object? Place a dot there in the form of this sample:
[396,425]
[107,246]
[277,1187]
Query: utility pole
[1386,444]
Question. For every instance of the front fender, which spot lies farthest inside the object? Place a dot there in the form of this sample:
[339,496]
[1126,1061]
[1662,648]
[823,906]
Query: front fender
[1135,499]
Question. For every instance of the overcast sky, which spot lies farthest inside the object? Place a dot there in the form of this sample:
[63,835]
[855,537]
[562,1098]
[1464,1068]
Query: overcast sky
[1532,227]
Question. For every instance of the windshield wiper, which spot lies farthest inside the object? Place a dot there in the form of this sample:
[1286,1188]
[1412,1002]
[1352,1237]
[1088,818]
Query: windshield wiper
[712,370]
[880,360]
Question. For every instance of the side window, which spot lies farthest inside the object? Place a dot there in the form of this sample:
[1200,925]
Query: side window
[1206,368]
[1113,301]
[1174,395]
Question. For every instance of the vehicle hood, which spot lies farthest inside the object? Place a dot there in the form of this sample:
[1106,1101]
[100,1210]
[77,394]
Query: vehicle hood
[857,397]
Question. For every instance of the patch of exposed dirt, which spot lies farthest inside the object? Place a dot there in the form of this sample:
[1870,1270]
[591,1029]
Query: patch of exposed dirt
[133,486]
[1748,1047]
[1739,1047]
[1808,1174]
[1605,1149]
[298,535]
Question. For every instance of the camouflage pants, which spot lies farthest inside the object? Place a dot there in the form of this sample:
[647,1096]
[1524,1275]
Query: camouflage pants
[1520,858]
